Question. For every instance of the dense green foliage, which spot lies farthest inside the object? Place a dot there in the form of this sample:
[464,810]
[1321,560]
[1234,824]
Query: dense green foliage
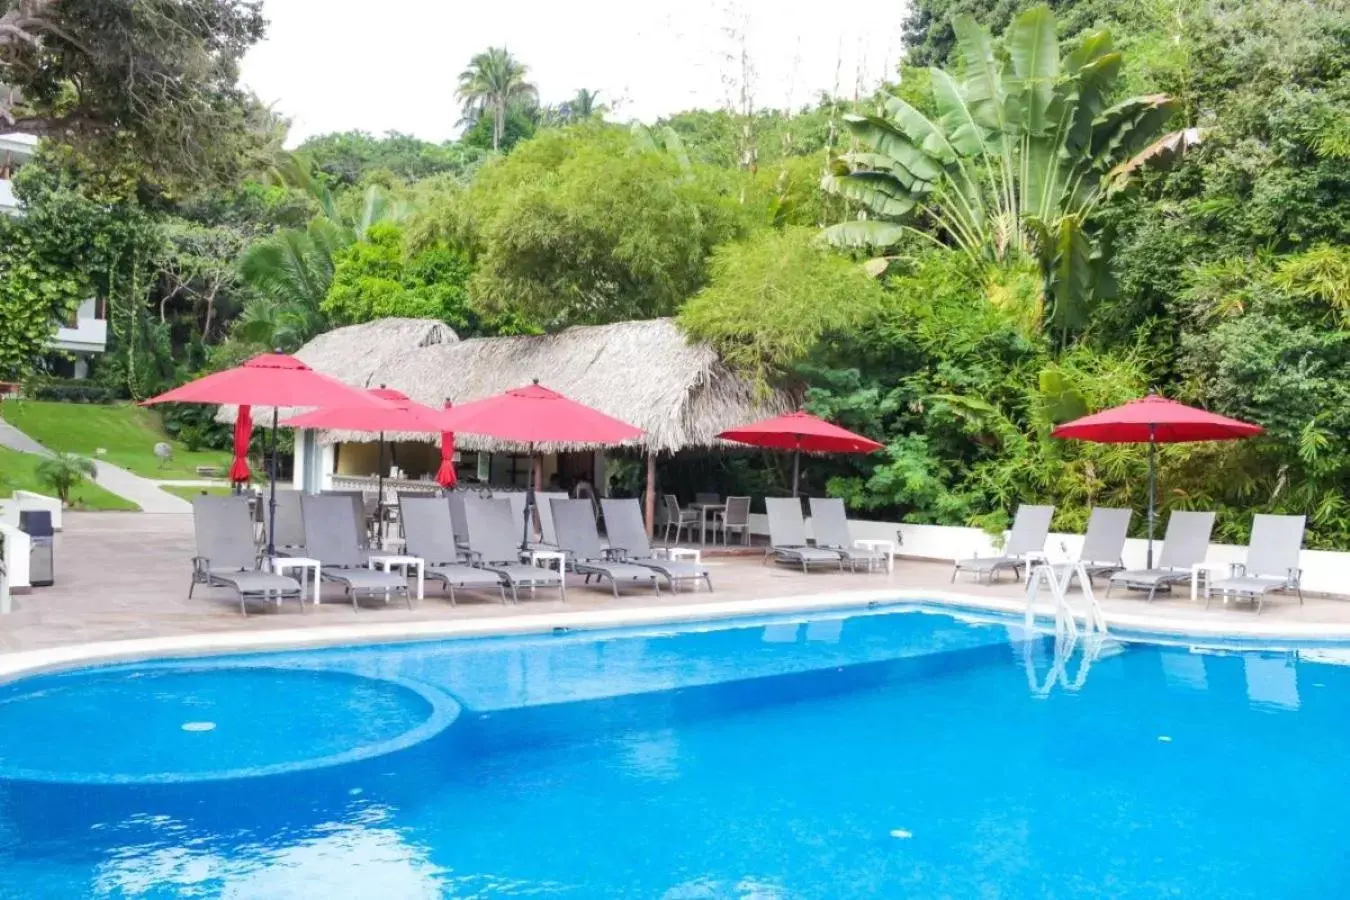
[63,472]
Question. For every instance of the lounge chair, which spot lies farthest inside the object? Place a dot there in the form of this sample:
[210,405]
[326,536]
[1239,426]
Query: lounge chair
[290,533]
[580,540]
[226,555]
[1184,547]
[787,536]
[1272,562]
[829,524]
[430,535]
[628,536]
[331,538]
[1103,543]
[543,510]
[494,545]
[1030,528]
[516,499]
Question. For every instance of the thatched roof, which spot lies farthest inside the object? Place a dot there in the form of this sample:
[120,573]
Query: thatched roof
[353,353]
[646,373]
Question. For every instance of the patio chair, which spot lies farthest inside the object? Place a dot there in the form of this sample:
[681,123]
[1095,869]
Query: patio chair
[580,540]
[455,500]
[331,529]
[494,545]
[628,542]
[1184,546]
[516,500]
[829,523]
[679,519]
[290,534]
[1272,562]
[543,511]
[1103,543]
[736,517]
[226,555]
[1030,528]
[707,498]
[430,535]
[787,536]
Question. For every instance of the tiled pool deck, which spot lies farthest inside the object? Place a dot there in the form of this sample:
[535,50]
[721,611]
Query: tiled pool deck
[122,583]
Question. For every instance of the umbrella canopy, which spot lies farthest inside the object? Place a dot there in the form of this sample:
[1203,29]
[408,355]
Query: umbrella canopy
[1154,420]
[243,431]
[270,379]
[445,475]
[536,415]
[800,431]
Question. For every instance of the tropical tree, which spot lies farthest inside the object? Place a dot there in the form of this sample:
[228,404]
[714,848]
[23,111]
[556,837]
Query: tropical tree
[64,472]
[1022,154]
[492,82]
[585,104]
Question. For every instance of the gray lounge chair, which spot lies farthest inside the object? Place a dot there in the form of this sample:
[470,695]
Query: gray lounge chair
[494,545]
[1030,528]
[627,536]
[226,555]
[290,533]
[829,524]
[331,538]
[1103,543]
[1272,562]
[580,540]
[787,537]
[430,535]
[543,510]
[1184,546]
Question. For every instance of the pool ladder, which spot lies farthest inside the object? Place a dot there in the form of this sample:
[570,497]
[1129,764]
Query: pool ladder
[1068,633]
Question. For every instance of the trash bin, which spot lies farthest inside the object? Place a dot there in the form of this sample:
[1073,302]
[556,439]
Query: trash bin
[37,524]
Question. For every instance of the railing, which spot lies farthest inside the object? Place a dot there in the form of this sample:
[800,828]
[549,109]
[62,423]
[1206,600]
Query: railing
[1094,635]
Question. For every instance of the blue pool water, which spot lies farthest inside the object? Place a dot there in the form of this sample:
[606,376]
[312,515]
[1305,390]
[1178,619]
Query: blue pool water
[896,753]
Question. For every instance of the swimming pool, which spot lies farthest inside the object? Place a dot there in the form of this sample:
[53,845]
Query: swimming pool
[899,752]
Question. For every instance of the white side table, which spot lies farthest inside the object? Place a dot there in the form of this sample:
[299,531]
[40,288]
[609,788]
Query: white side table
[1206,569]
[542,558]
[690,553]
[389,563]
[280,565]
[885,546]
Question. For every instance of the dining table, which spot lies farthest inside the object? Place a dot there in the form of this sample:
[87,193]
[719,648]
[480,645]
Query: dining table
[703,510]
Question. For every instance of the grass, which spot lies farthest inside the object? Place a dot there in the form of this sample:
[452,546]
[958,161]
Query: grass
[18,473]
[127,432]
[188,491]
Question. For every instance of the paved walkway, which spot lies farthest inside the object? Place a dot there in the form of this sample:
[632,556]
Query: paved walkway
[15,439]
[144,492]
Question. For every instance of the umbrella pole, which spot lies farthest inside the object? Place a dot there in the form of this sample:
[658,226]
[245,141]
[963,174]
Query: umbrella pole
[379,496]
[796,468]
[529,503]
[272,494]
[1152,487]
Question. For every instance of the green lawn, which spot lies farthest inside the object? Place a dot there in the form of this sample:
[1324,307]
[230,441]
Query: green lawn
[127,432]
[188,491]
[17,474]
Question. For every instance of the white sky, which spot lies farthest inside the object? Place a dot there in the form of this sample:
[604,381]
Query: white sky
[336,65]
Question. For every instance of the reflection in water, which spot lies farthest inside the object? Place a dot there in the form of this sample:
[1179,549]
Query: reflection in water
[781,633]
[1183,668]
[1271,681]
[825,631]
[361,858]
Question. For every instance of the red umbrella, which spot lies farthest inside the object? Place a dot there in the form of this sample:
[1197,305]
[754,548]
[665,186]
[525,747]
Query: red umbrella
[445,475]
[536,415]
[800,431]
[1154,420]
[272,379]
[399,413]
[243,430]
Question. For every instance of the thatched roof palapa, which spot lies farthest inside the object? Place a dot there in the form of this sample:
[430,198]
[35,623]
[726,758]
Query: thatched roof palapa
[647,373]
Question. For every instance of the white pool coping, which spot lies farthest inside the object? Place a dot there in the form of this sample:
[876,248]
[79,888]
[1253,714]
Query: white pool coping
[1170,629]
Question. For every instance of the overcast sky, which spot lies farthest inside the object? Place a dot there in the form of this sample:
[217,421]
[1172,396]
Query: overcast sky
[335,65]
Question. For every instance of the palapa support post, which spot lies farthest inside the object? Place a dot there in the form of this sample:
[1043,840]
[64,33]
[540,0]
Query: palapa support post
[649,497]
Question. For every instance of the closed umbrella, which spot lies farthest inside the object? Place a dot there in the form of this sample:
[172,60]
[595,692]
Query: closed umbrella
[800,431]
[1154,420]
[269,379]
[446,476]
[396,413]
[243,432]
[535,415]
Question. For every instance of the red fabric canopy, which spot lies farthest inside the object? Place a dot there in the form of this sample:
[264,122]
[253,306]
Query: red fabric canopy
[1155,419]
[396,413]
[536,415]
[446,476]
[243,431]
[271,379]
[801,431]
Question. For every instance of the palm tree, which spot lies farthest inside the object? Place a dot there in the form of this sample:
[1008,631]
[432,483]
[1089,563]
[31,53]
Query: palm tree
[583,105]
[492,82]
[64,472]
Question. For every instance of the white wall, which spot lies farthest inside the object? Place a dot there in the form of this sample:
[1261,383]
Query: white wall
[9,509]
[17,548]
[1324,571]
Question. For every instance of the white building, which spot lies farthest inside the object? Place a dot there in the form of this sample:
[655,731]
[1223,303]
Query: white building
[85,333]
